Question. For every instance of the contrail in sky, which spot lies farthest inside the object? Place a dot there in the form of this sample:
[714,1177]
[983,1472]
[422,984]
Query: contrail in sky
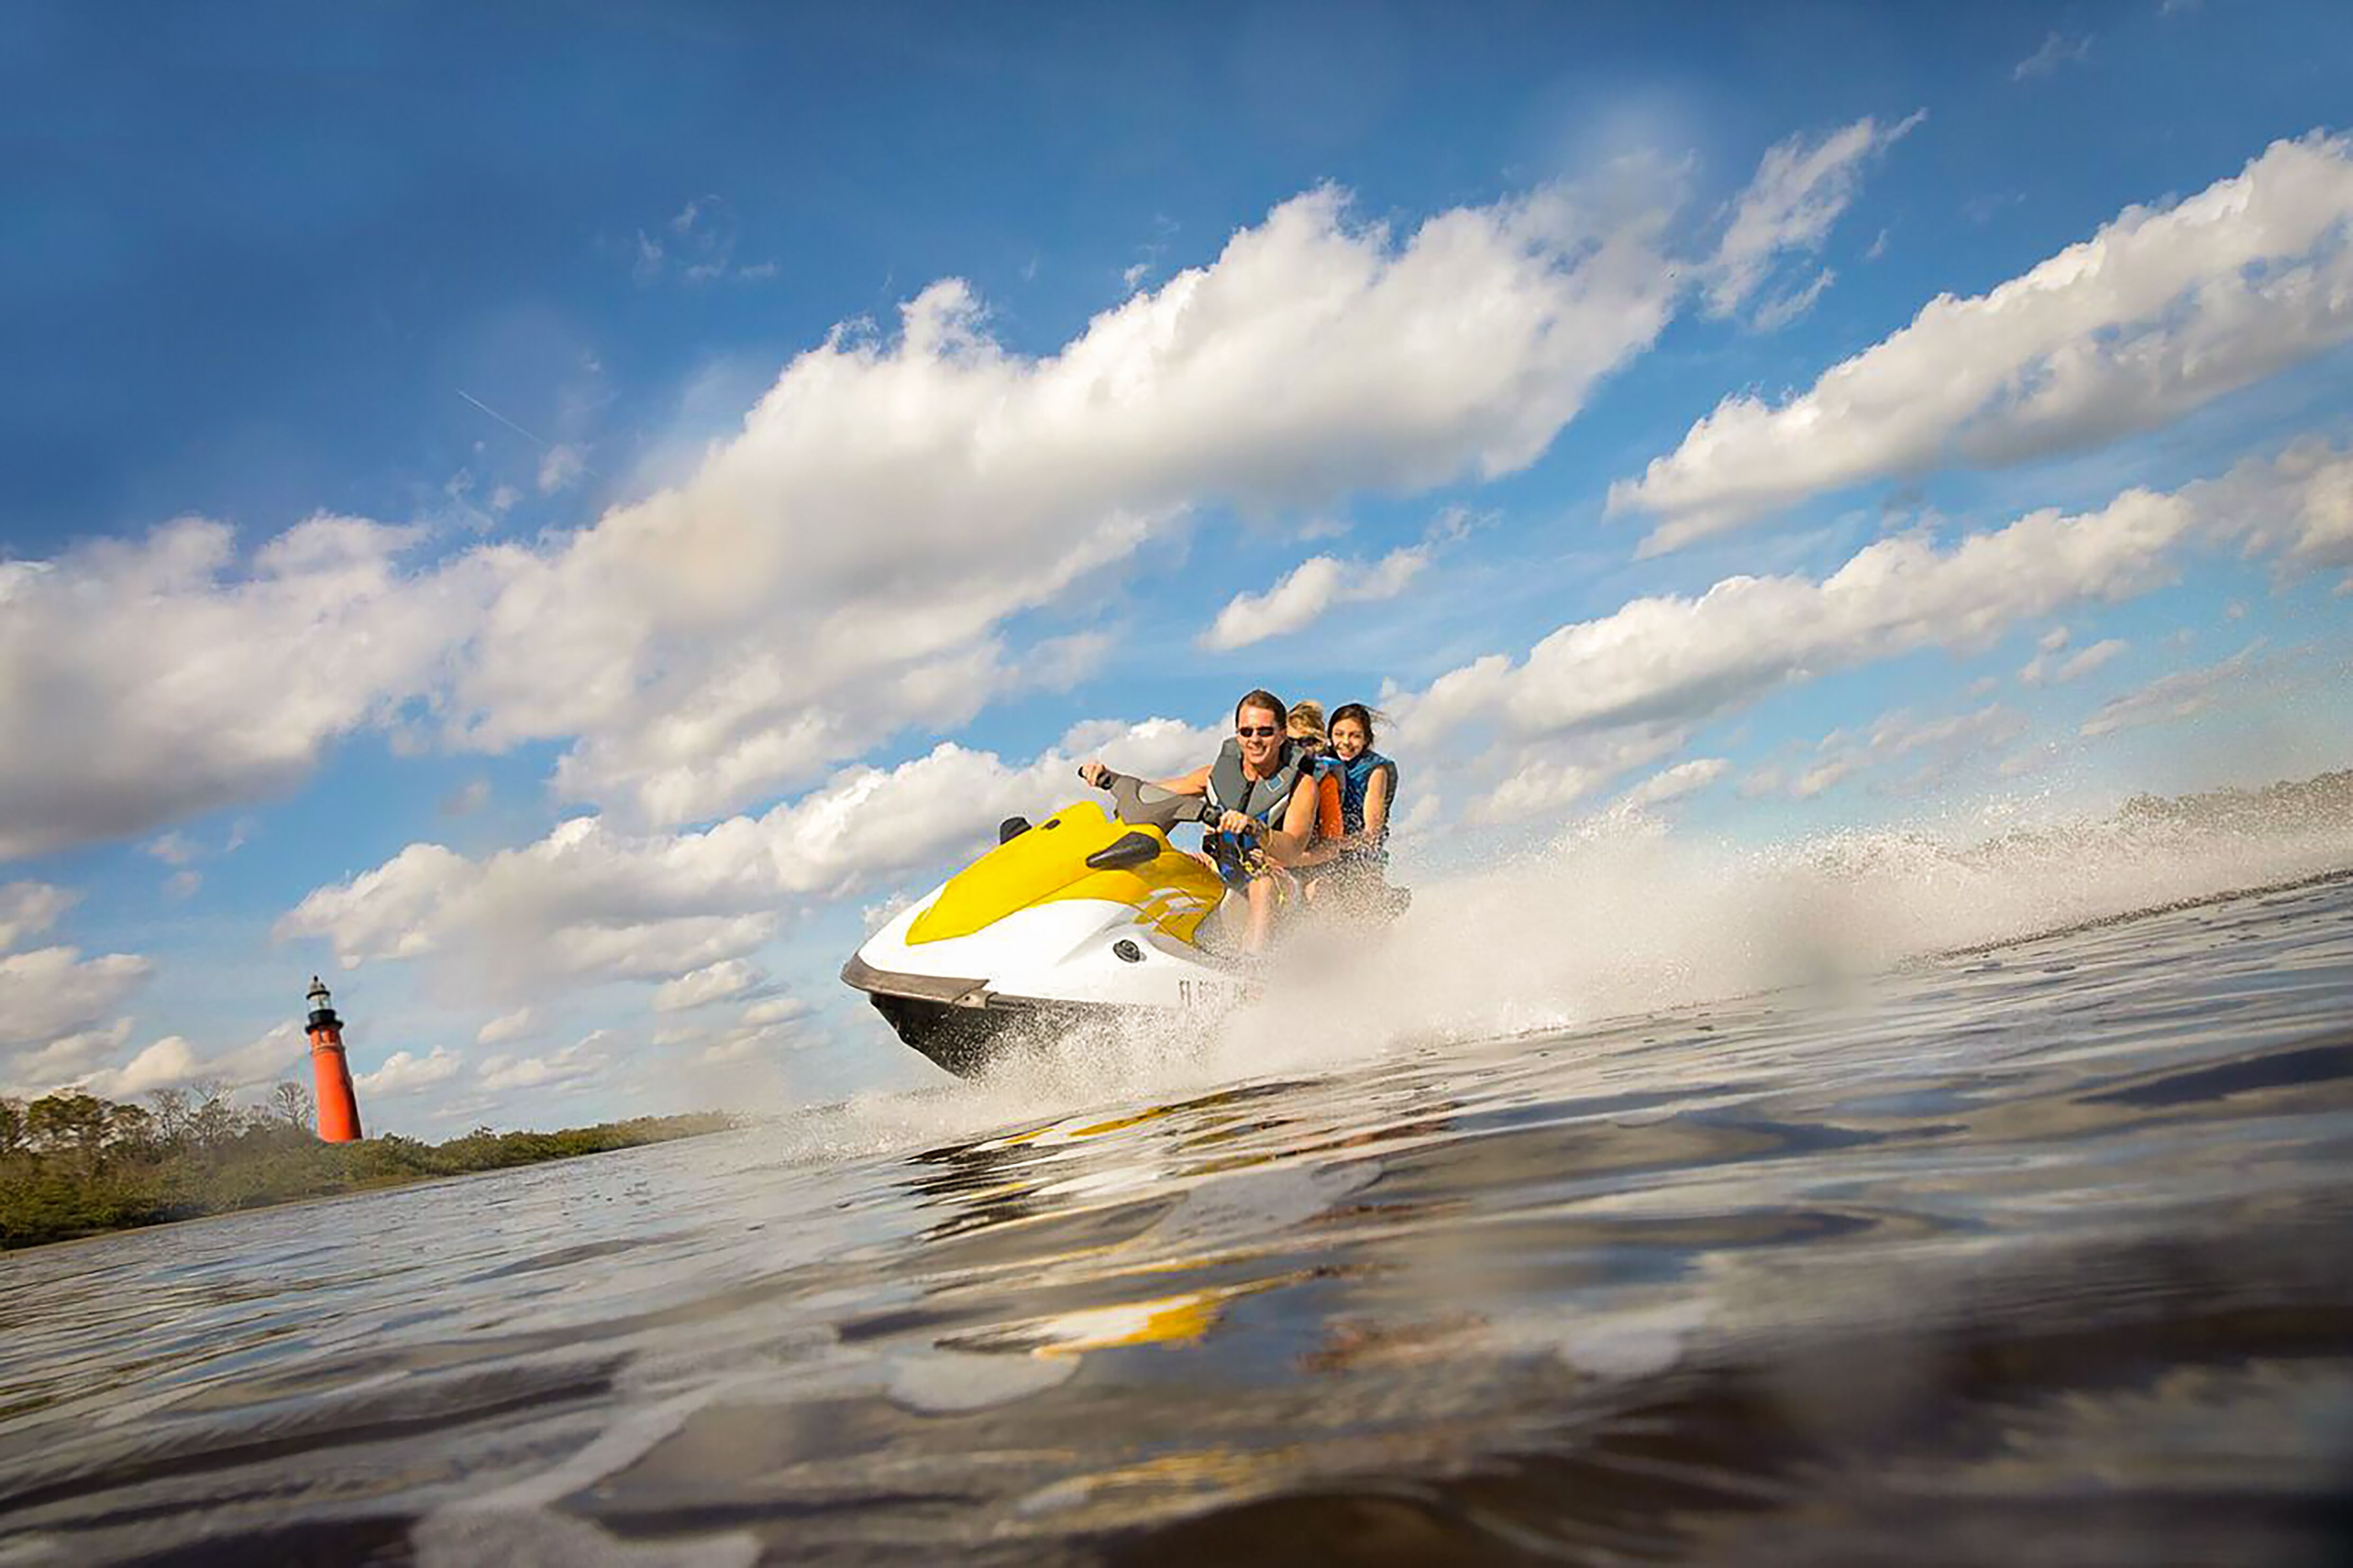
[499,416]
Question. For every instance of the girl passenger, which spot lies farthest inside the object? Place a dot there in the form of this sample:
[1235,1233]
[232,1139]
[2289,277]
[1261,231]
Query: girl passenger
[1365,784]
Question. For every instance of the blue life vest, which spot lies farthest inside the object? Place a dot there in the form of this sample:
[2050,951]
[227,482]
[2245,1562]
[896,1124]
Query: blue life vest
[1354,777]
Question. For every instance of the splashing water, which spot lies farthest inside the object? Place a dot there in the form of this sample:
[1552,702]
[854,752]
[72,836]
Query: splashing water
[1620,916]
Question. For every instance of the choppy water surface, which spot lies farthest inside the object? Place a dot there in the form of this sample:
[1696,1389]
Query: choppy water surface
[2035,1255]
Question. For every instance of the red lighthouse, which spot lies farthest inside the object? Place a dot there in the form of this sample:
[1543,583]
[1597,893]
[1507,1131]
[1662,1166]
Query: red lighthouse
[339,1108]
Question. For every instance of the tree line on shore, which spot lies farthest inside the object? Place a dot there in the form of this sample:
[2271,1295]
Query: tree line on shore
[72,1164]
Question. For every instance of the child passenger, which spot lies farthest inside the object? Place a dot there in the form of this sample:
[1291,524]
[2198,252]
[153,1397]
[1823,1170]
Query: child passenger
[1303,728]
[1365,783]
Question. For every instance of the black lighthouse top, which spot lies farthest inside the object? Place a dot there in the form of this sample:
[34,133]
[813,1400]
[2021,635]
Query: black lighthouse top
[322,1010]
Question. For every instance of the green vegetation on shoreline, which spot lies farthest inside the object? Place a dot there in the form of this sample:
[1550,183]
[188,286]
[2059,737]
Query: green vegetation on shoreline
[72,1164]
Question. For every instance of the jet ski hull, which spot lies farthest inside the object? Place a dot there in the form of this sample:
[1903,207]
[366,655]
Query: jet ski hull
[967,1040]
[960,1039]
[965,1026]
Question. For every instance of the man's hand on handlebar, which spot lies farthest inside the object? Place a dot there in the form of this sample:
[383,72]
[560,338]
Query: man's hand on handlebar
[1236,823]
[1095,773]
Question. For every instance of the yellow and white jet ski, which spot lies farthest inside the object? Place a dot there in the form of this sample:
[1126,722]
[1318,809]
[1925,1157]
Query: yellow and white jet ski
[1089,914]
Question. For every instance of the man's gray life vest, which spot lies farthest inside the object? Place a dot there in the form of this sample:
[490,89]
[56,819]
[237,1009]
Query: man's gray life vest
[1263,799]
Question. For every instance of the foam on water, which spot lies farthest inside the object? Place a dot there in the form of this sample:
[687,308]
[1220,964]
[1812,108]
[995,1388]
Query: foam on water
[1621,915]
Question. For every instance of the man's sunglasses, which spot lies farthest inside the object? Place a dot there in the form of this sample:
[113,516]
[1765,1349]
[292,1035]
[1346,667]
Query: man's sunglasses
[1260,730]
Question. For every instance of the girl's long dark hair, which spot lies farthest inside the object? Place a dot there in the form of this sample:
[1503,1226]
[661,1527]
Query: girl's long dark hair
[1361,714]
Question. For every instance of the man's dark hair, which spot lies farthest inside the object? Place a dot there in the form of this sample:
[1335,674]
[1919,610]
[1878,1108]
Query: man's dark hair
[1262,699]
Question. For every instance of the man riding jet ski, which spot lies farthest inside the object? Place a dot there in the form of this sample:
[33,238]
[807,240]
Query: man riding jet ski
[1090,913]
[1261,816]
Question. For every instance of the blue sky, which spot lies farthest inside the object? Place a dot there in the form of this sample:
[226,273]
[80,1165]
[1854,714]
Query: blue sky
[505,506]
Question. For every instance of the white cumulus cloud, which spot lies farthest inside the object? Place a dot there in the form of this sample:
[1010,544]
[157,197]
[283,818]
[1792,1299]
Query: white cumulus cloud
[1543,775]
[718,982]
[2046,669]
[169,1062]
[173,849]
[1677,659]
[1800,188]
[68,1059]
[50,992]
[133,674]
[1822,776]
[775,1010]
[1674,782]
[574,1063]
[764,1030]
[514,1025]
[1308,590]
[406,1072]
[2161,310]
[2298,506]
[28,909]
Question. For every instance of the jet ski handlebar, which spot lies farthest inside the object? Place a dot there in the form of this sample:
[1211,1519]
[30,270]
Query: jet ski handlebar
[1147,805]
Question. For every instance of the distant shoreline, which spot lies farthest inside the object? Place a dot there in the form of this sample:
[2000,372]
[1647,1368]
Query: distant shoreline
[76,1168]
